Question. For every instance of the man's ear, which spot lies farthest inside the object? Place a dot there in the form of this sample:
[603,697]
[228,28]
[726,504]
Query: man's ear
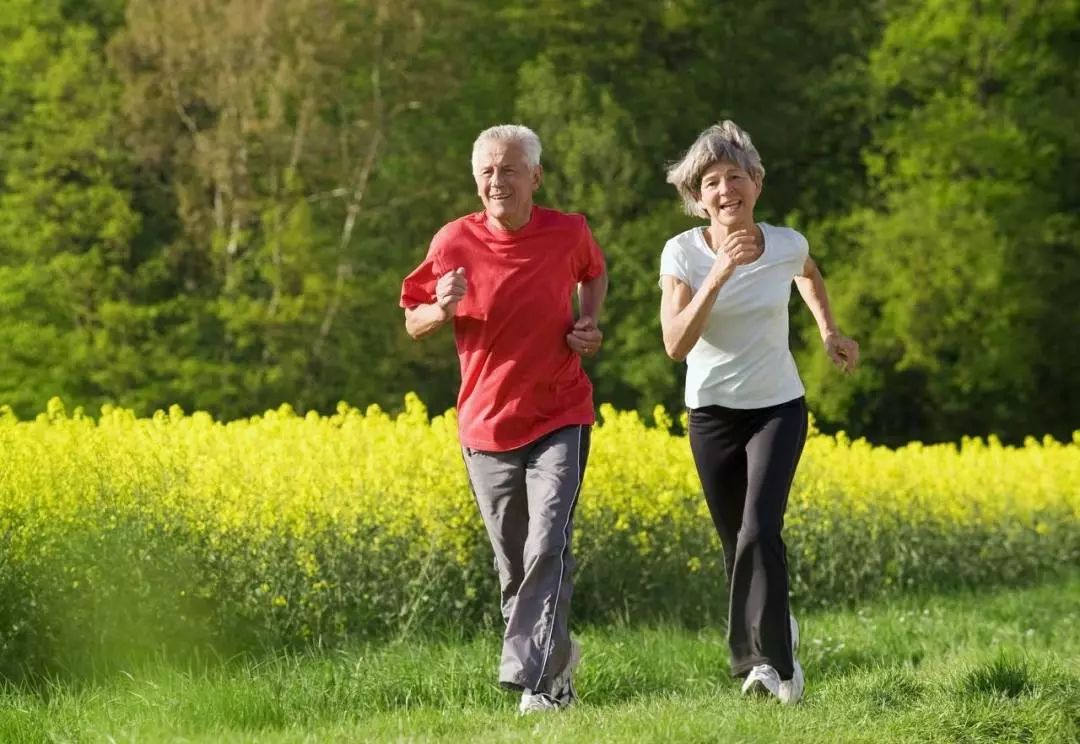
[538,177]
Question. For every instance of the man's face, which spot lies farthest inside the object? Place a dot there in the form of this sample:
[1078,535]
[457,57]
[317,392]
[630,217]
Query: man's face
[506,183]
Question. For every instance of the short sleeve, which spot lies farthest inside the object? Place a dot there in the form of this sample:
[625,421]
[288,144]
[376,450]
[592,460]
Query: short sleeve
[418,288]
[802,252]
[673,263]
[588,259]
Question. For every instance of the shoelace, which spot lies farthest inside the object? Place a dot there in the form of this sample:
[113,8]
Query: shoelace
[763,674]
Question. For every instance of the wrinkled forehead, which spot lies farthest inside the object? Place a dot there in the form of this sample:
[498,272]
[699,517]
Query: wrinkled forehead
[722,167]
[501,152]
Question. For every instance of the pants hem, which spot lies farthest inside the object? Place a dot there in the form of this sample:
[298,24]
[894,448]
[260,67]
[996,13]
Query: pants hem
[515,685]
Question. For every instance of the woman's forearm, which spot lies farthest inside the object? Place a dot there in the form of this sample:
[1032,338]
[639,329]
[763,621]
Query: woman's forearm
[811,286]
[684,316]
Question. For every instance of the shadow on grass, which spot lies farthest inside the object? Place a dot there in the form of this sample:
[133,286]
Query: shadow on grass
[1005,676]
[891,690]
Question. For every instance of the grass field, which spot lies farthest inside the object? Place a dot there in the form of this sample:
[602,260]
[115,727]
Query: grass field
[997,666]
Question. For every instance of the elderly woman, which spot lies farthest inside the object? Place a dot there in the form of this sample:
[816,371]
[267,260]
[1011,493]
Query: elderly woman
[724,310]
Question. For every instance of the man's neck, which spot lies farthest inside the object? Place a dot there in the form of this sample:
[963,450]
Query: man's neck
[512,224]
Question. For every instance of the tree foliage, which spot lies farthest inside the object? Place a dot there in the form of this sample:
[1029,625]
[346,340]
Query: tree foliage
[213,203]
[958,270]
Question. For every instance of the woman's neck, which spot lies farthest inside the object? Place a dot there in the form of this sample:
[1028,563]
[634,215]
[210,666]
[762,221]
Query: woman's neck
[723,230]
[717,233]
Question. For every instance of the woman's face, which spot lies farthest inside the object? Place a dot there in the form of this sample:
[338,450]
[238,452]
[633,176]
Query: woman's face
[728,193]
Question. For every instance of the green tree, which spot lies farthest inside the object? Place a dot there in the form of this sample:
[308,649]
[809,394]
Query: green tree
[268,120]
[66,220]
[958,272]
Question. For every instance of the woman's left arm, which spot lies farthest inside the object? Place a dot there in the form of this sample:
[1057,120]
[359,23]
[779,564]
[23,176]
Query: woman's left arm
[843,351]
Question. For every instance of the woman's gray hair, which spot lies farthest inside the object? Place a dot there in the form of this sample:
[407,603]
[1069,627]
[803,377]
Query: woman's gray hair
[723,141]
[509,133]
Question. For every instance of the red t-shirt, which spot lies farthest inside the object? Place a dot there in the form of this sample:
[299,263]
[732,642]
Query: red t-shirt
[519,378]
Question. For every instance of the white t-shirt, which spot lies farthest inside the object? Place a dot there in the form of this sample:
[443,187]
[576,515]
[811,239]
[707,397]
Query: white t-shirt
[742,359]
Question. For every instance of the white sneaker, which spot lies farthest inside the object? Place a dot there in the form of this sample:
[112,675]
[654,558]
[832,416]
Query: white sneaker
[562,694]
[765,680]
[536,702]
[762,680]
[791,690]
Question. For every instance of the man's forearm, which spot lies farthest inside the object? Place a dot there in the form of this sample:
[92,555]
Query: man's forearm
[591,296]
[423,320]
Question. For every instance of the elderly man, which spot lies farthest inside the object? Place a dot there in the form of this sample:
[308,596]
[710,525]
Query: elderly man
[505,277]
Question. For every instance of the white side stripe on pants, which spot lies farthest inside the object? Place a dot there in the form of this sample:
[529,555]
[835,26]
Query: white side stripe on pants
[562,563]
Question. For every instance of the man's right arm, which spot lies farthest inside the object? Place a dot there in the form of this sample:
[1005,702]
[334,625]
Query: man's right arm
[426,318]
[423,320]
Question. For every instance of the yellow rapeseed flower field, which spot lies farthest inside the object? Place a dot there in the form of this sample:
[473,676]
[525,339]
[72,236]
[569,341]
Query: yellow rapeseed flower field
[124,532]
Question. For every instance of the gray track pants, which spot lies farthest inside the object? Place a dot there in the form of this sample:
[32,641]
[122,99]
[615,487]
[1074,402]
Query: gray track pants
[527,497]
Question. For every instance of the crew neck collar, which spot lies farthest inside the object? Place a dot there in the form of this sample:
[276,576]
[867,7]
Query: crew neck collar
[510,235]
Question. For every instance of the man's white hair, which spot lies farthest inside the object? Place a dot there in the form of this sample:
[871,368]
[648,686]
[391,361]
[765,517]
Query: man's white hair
[509,133]
[723,141]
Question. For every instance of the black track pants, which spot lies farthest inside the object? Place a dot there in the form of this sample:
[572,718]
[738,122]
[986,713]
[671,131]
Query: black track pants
[746,460]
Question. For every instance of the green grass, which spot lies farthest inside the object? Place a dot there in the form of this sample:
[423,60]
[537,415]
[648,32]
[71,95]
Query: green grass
[998,666]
